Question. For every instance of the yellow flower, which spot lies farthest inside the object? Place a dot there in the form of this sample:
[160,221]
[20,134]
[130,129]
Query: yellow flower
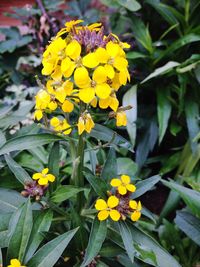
[111,102]
[137,207]
[98,85]
[38,114]
[60,90]
[69,26]
[121,119]
[60,125]
[106,209]
[85,123]
[15,263]
[51,57]
[42,99]
[123,184]
[43,177]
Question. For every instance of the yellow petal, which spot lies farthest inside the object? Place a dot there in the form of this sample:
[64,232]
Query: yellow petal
[67,106]
[93,103]
[123,75]
[110,71]
[112,49]
[100,204]
[52,105]
[87,94]
[126,179]
[81,126]
[120,63]
[60,94]
[51,177]
[103,90]
[102,55]
[73,50]
[115,182]
[104,103]
[122,190]
[133,204]
[36,176]
[54,122]
[47,69]
[43,181]
[38,115]
[90,60]
[135,216]
[131,187]
[99,75]
[121,119]
[115,215]
[103,215]
[15,263]
[139,207]
[81,77]
[89,124]
[57,74]
[45,171]
[112,202]
[114,103]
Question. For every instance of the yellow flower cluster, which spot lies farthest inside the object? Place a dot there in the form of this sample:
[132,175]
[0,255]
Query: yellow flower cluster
[120,205]
[82,64]
[43,178]
[15,263]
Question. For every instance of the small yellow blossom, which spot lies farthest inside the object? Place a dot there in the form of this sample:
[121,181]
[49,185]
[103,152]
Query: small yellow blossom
[121,119]
[85,123]
[123,184]
[60,125]
[136,207]
[15,263]
[44,177]
[106,209]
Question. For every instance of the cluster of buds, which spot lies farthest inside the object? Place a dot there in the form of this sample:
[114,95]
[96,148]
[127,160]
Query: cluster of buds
[82,64]
[119,205]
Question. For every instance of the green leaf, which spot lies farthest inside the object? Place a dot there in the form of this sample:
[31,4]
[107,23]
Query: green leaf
[21,175]
[131,5]
[96,239]
[127,239]
[135,55]
[98,184]
[54,159]
[141,33]
[164,109]
[192,118]
[105,134]
[110,166]
[126,166]
[185,40]
[4,224]
[1,258]
[10,200]
[21,229]
[130,99]
[189,224]
[162,70]
[145,185]
[48,254]
[29,141]
[191,197]
[41,224]
[65,192]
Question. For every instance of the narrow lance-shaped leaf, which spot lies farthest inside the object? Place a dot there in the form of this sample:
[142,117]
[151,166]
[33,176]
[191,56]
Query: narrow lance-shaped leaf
[21,231]
[21,175]
[96,239]
[110,166]
[28,141]
[189,224]
[41,224]
[127,239]
[164,111]
[10,200]
[51,251]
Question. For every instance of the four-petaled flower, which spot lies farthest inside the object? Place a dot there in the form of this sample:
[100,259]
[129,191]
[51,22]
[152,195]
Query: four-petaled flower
[85,123]
[44,177]
[15,263]
[136,207]
[123,184]
[106,209]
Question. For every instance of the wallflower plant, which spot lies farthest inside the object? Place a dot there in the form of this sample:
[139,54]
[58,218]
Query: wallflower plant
[77,191]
